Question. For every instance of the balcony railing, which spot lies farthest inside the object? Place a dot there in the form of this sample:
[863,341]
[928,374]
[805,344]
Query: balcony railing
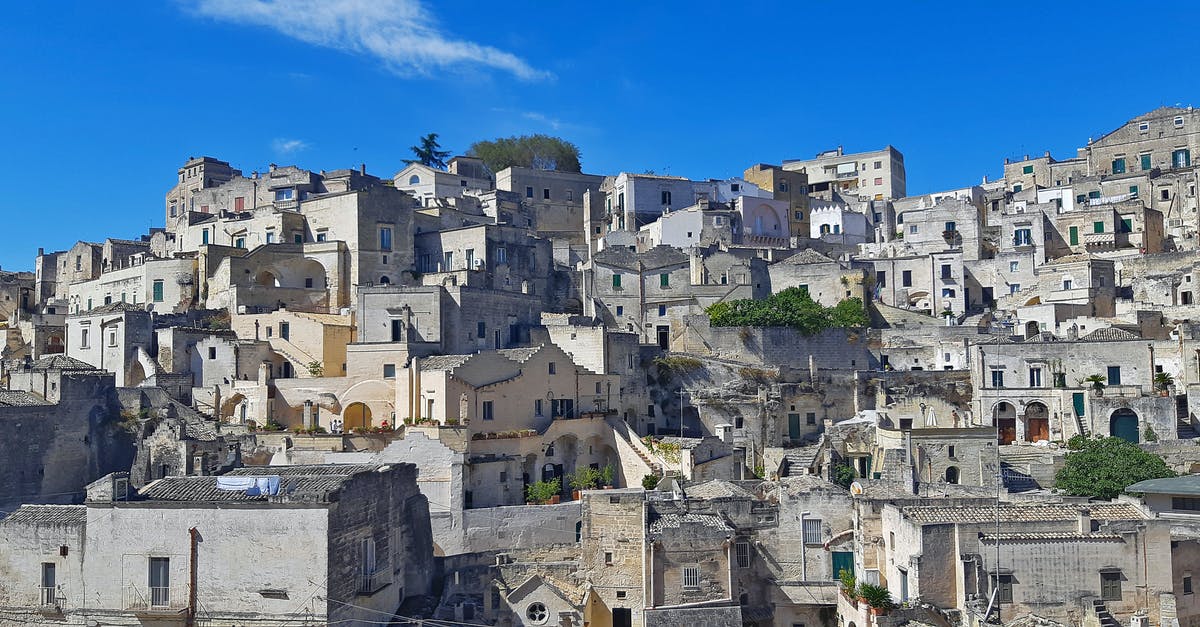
[49,596]
[368,583]
[160,596]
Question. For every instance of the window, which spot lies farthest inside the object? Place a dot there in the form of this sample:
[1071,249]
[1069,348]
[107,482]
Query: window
[906,278]
[812,531]
[1178,121]
[1181,158]
[1013,288]
[284,194]
[1022,237]
[878,181]
[691,577]
[501,255]
[529,191]
[239,242]
[546,193]
[810,418]
[157,291]
[951,227]
[616,281]
[662,310]
[620,595]
[881,278]
[414,180]
[1013,266]
[83,337]
[537,407]
[1187,584]
[1133,191]
[1018,187]
[1027,169]
[666,197]
[878,164]
[212,352]
[945,271]
[799,215]
[160,581]
[285,330]
[385,238]
[239,203]
[537,613]
[950,451]
[947,293]
[997,378]
[1143,127]
[742,550]
[570,195]
[389,371]
[1004,592]
[270,237]
[1145,159]
[664,280]
[912,229]
[553,368]
[203,240]
[489,410]
[1035,377]
[1114,375]
[620,310]
[1110,585]
[1189,503]
[1118,165]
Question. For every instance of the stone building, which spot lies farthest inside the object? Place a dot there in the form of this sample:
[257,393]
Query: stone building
[877,175]
[790,187]
[163,553]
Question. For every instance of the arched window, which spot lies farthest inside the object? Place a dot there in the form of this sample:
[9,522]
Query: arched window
[414,180]
[537,614]
[383,280]
[952,474]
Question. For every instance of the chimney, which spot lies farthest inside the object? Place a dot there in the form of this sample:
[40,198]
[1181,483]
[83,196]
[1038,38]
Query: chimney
[362,169]
[41,251]
[1047,155]
[272,166]
[1085,520]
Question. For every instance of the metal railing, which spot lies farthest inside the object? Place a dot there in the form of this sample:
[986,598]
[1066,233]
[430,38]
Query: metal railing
[49,596]
[160,596]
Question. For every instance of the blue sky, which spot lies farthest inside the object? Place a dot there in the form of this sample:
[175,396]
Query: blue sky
[103,101]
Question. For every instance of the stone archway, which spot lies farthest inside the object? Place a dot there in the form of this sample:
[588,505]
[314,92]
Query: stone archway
[356,416]
[233,408]
[1004,415]
[1037,422]
[266,278]
[1123,424]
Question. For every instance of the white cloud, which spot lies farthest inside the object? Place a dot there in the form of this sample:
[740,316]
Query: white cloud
[401,33]
[284,146]
[553,123]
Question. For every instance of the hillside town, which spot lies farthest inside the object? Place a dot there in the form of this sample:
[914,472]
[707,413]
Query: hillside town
[443,393]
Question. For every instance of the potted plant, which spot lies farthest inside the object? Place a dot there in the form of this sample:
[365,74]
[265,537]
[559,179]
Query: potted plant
[543,492]
[849,584]
[877,597]
[1163,382]
[606,477]
[1097,383]
[584,478]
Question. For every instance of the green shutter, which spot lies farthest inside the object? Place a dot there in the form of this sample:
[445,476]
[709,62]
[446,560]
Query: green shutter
[1074,231]
[616,280]
[1146,162]
[1126,225]
[1077,401]
[1097,227]
[664,280]
[1027,169]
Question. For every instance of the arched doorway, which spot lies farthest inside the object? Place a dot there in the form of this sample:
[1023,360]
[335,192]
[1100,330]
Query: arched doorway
[1006,422]
[1037,422]
[266,279]
[356,416]
[1124,424]
[1032,328]
[952,474]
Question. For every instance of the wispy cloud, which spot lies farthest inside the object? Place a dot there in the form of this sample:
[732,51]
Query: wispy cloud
[542,118]
[400,33]
[285,146]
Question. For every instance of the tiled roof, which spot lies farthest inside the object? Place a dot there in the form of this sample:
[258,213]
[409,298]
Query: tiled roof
[717,489]
[1043,337]
[61,362]
[807,256]
[675,521]
[20,398]
[922,514]
[1048,536]
[204,489]
[304,470]
[519,355]
[660,256]
[116,307]
[443,362]
[47,515]
[1110,334]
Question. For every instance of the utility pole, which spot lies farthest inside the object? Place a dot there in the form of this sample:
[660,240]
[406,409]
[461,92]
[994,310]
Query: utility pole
[681,392]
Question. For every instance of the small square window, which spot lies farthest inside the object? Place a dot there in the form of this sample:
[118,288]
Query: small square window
[691,577]
[620,594]
[389,371]
[662,310]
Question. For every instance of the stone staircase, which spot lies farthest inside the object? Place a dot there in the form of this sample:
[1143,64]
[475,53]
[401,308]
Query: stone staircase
[1104,617]
[621,428]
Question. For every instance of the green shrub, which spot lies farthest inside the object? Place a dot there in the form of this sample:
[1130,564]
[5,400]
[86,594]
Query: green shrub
[1103,467]
[792,307]
[650,482]
[849,583]
[877,597]
[542,491]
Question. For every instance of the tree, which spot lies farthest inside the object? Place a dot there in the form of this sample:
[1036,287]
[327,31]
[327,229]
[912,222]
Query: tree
[540,152]
[429,153]
[1103,467]
[1096,381]
[792,307]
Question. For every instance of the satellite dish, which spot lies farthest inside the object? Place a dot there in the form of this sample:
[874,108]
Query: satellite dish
[856,488]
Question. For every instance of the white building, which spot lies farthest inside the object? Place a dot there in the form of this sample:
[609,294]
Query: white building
[877,175]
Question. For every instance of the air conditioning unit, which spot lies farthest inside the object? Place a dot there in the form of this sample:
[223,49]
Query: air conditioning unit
[1139,620]
[477,264]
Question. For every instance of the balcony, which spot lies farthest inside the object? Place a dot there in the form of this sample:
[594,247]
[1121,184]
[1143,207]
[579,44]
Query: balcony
[370,583]
[154,601]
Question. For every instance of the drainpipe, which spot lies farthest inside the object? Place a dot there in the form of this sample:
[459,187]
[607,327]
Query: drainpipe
[194,541]
[1151,347]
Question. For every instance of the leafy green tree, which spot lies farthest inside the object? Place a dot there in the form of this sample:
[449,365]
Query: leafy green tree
[429,153]
[1103,467]
[792,307]
[541,152]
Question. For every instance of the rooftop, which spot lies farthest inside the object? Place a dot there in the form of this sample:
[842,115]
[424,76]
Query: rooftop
[47,515]
[922,514]
[1187,484]
[675,521]
[20,398]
